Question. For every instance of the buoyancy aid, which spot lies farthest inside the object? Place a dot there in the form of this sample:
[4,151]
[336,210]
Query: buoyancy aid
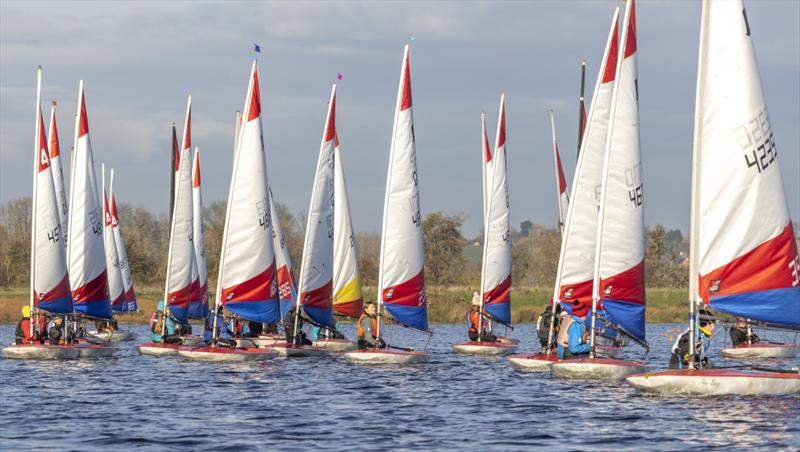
[360,331]
[563,336]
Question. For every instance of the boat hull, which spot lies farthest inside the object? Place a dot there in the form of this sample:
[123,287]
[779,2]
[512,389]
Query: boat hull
[539,362]
[40,351]
[762,350]
[226,355]
[715,382]
[193,341]
[298,351]
[507,340]
[87,350]
[596,368]
[336,345]
[268,340]
[484,348]
[386,356]
[158,349]
[113,336]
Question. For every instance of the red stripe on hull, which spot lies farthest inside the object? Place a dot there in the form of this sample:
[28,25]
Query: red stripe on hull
[766,267]
[96,289]
[258,288]
[625,286]
[408,293]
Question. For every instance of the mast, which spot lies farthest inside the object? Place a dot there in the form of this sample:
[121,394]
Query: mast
[694,216]
[486,153]
[174,160]
[581,108]
[37,151]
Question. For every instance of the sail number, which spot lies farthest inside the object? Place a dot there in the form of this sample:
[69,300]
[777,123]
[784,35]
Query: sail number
[756,140]
[633,179]
[262,209]
[794,266]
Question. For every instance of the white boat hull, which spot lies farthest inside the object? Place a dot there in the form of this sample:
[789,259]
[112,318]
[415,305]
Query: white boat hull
[95,350]
[386,356]
[268,340]
[715,382]
[226,355]
[40,351]
[762,350]
[533,363]
[113,336]
[336,345]
[193,341]
[158,349]
[484,348]
[596,368]
[507,340]
[298,351]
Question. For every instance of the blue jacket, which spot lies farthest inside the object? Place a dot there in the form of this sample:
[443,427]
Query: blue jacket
[170,330]
[575,336]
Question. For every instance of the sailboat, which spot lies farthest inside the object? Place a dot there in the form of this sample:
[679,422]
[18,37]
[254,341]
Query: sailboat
[316,271]
[116,290]
[618,293]
[401,280]
[743,257]
[198,308]
[574,276]
[495,294]
[287,288]
[247,283]
[180,258]
[49,290]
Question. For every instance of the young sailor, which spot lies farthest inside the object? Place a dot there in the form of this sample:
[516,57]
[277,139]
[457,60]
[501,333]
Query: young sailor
[156,326]
[575,344]
[22,334]
[680,349]
[741,333]
[367,328]
[475,324]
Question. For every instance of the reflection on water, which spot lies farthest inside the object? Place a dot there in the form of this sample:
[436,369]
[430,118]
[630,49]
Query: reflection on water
[453,402]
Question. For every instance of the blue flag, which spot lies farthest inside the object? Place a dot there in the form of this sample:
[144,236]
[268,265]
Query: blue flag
[257,48]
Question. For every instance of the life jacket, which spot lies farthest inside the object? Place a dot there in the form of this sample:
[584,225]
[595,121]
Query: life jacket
[474,319]
[360,331]
[563,335]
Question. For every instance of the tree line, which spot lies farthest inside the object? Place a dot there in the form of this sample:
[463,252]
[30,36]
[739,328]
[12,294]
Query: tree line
[451,259]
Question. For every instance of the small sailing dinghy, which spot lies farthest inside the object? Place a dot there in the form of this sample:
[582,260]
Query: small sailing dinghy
[49,290]
[495,296]
[743,256]
[761,350]
[348,299]
[618,295]
[401,280]
[180,258]
[247,283]
[575,270]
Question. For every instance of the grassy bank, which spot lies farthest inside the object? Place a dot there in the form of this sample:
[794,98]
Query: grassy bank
[447,304]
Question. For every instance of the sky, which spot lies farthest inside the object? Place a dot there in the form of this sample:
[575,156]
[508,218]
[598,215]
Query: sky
[140,60]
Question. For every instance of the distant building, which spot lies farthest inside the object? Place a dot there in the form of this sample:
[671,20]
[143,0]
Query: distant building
[525,228]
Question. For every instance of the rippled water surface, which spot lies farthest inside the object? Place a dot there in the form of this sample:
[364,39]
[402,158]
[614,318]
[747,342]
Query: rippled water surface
[453,402]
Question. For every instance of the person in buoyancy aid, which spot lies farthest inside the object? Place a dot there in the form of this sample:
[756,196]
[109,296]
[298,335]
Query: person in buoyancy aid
[22,334]
[476,323]
[742,334]
[572,338]
[56,334]
[157,324]
[367,328]
[679,358]
[289,328]
[543,325]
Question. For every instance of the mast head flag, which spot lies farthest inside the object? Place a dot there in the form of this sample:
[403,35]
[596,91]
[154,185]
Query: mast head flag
[316,271]
[496,274]
[50,289]
[747,260]
[401,279]
[85,248]
[247,282]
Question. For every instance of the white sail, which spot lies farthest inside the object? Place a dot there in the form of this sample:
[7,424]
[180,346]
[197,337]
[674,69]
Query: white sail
[347,295]
[247,284]
[58,173]
[50,288]
[576,261]
[618,286]
[496,274]
[201,281]
[401,277]
[116,289]
[486,166]
[180,260]
[743,246]
[85,249]
[287,288]
[561,181]
[122,253]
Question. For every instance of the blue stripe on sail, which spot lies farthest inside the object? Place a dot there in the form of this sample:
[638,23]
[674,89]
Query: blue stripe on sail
[322,316]
[411,316]
[266,311]
[95,308]
[180,313]
[629,316]
[198,310]
[499,311]
[775,306]
[61,305]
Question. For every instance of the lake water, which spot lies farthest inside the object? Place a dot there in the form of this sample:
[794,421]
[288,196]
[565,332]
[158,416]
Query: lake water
[453,402]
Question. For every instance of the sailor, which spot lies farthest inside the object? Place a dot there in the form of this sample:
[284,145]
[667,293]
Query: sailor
[543,325]
[289,328]
[367,328]
[742,334]
[575,344]
[55,332]
[157,325]
[475,323]
[22,334]
[680,349]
